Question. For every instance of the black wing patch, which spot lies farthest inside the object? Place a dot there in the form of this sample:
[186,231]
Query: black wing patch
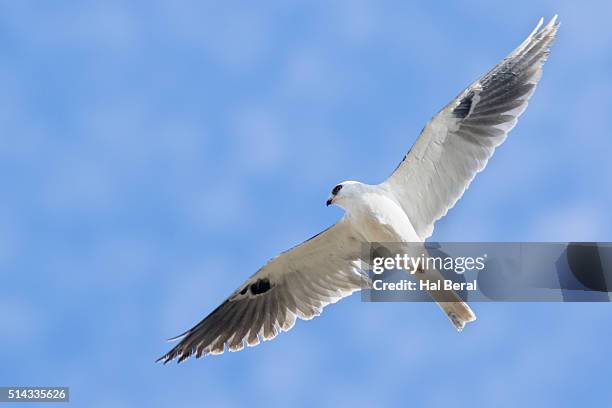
[260,286]
[463,109]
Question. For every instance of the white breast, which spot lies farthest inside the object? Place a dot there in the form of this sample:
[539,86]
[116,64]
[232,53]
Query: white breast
[380,219]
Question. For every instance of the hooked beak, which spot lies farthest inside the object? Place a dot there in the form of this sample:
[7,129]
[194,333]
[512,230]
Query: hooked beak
[329,202]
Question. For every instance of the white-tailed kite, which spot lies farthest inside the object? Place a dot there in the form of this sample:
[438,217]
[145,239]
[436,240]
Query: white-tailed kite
[454,146]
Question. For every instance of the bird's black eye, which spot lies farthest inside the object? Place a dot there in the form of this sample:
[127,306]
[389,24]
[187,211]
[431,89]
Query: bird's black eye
[337,189]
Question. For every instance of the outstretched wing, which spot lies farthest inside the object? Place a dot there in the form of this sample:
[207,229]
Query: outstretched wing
[457,143]
[297,283]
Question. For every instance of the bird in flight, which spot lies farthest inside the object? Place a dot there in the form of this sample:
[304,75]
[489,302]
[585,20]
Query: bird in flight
[454,146]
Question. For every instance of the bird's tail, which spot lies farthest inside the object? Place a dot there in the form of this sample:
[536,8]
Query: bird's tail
[458,312]
[449,301]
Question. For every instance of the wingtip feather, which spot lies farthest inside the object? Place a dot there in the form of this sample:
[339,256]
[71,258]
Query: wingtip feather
[553,21]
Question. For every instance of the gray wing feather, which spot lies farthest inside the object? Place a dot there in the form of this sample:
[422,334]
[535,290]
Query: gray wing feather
[457,143]
[298,283]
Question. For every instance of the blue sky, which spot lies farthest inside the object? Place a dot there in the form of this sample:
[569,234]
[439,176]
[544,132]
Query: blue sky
[156,154]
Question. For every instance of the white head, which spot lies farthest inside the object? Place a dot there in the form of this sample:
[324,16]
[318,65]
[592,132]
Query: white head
[345,193]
